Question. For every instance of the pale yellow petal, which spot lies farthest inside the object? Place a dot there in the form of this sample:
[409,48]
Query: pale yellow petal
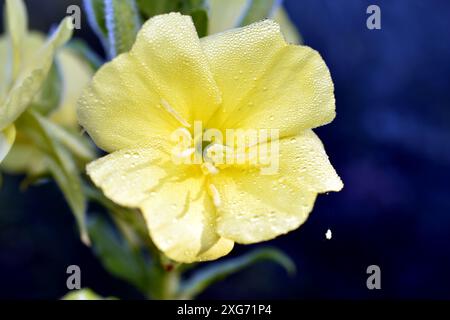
[32,42]
[295,93]
[267,83]
[120,109]
[169,51]
[76,74]
[221,248]
[5,71]
[128,176]
[7,137]
[257,207]
[17,25]
[24,158]
[179,213]
[32,76]
[303,160]
[162,84]
[181,218]
[238,58]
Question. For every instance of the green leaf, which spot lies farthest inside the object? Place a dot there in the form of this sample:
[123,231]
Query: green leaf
[60,163]
[95,11]
[258,10]
[198,10]
[7,138]
[150,8]
[84,294]
[217,271]
[33,76]
[116,255]
[123,23]
[200,18]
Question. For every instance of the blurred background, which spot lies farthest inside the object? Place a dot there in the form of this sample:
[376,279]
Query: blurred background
[390,143]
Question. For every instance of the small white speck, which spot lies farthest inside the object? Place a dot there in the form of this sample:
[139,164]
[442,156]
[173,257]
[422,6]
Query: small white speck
[328,234]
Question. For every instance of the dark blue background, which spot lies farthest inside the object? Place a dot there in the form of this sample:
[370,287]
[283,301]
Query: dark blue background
[390,143]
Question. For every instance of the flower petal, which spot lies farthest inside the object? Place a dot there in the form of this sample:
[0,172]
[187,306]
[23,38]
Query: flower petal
[76,74]
[17,25]
[182,221]
[127,176]
[5,72]
[18,159]
[267,83]
[162,83]
[169,50]
[7,137]
[236,58]
[179,213]
[256,207]
[32,75]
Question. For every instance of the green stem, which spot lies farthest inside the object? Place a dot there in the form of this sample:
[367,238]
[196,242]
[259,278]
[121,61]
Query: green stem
[170,284]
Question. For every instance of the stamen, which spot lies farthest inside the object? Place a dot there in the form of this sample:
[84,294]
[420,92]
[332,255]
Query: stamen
[215,195]
[174,113]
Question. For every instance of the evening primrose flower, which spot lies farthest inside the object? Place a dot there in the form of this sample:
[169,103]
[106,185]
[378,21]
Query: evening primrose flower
[26,59]
[247,78]
[75,73]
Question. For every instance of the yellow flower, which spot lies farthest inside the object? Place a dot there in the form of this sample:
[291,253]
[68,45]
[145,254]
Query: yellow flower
[28,57]
[26,61]
[247,78]
[75,75]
